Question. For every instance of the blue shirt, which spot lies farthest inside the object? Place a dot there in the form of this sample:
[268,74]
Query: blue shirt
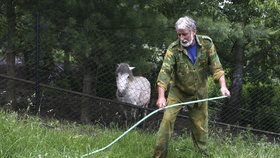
[192,52]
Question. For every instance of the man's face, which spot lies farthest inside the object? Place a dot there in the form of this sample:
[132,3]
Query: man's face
[186,36]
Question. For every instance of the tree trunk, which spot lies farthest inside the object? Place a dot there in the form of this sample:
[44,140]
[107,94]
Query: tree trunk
[10,54]
[85,115]
[230,112]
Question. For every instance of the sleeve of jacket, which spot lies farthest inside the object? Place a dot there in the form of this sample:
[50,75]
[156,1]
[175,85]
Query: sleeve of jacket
[216,66]
[166,70]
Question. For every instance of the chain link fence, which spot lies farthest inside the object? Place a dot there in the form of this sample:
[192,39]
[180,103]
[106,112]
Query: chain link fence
[79,84]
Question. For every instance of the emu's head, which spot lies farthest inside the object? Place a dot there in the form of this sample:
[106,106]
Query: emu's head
[123,76]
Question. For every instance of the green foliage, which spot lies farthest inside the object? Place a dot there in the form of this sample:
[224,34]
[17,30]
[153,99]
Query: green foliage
[263,106]
[213,88]
[3,28]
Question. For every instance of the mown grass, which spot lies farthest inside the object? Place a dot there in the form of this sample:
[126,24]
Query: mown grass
[31,137]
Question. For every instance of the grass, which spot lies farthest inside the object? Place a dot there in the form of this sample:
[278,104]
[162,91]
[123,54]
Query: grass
[32,137]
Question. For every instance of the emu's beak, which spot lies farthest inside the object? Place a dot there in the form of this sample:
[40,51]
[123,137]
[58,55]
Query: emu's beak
[120,94]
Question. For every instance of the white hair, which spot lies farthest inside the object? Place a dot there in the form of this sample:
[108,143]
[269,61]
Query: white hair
[185,23]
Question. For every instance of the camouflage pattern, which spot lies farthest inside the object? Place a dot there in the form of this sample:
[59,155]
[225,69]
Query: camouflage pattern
[186,82]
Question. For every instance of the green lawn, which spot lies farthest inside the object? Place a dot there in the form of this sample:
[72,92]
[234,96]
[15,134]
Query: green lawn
[31,137]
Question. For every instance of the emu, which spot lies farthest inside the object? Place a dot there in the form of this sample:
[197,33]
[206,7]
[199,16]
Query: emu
[132,89]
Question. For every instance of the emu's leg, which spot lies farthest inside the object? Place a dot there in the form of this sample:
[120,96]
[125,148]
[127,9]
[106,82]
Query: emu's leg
[134,113]
[145,111]
[125,116]
[144,114]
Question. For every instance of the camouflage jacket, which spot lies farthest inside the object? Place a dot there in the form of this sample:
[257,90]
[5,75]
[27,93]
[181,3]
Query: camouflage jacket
[188,78]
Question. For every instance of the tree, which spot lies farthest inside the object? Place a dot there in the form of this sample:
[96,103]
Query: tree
[9,48]
[249,33]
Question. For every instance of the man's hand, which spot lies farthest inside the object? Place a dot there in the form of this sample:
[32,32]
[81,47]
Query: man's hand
[225,92]
[161,102]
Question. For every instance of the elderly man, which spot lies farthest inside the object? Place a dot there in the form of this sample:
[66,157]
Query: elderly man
[185,66]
